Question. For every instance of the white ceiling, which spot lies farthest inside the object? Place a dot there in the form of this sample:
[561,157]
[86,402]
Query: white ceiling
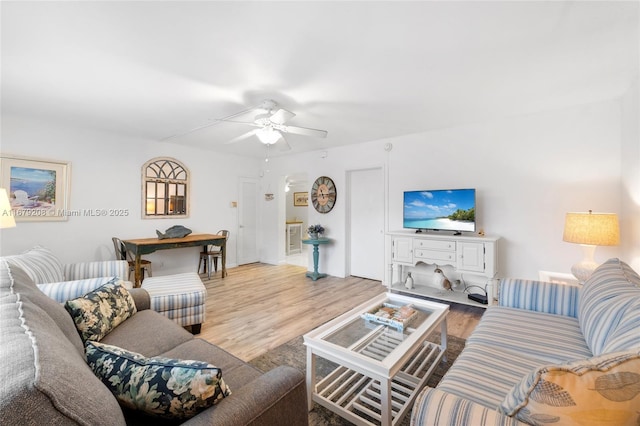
[360,70]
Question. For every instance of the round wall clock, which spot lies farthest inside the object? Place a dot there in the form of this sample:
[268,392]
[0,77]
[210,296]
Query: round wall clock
[323,194]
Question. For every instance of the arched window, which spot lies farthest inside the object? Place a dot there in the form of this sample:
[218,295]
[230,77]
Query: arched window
[165,189]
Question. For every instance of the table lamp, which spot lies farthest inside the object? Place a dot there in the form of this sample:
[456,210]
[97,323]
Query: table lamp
[590,230]
[6,214]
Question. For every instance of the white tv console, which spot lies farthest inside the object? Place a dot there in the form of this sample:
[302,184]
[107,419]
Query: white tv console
[474,257]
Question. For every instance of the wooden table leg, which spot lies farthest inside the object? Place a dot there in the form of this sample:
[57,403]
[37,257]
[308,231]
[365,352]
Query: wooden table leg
[137,272]
[223,248]
[206,262]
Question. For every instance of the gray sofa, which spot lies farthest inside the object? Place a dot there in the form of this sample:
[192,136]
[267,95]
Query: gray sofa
[44,377]
[547,354]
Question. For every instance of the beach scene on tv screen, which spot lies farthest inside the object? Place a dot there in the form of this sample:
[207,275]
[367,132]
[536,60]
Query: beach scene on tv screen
[448,210]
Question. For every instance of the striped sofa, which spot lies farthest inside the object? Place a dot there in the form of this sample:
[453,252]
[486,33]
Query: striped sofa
[179,297]
[547,354]
[64,282]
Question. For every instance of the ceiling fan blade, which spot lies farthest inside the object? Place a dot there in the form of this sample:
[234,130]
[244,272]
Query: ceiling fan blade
[241,137]
[248,123]
[177,135]
[281,116]
[213,123]
[304,131]
[283,145]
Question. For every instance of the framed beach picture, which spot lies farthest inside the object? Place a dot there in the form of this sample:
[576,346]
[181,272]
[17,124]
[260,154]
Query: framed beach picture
[301,199]
[38,189]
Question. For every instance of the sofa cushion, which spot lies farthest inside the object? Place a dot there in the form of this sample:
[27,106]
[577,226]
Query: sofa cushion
[47,380]
[605,299]
[484,373]
[100,311]
[141,332]
[600,390]
[158,386]
[543,336]
[40,264]
[237,373]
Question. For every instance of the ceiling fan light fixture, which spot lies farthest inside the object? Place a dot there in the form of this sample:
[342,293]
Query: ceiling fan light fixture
[268,135]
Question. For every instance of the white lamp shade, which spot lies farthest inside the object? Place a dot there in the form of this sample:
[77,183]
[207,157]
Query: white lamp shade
[597,229]
[6,214]
[590,230]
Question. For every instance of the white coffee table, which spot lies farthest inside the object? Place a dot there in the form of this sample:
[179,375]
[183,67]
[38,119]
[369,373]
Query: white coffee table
[380,369]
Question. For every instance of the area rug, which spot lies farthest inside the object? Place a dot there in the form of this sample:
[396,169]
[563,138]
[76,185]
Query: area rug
[294,354]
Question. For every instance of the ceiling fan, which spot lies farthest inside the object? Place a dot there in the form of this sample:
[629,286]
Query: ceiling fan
[270,126]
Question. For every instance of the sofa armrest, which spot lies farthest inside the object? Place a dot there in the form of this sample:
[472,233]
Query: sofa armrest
[141,298]
[104,268]
[68,290]
[436,407]
[539,296]
[276,397]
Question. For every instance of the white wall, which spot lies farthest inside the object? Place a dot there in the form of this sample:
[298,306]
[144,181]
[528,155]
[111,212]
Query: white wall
[335,164]
[528,171]
[630,220]
[106,173]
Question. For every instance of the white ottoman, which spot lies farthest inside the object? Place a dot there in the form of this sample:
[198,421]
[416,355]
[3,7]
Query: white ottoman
[180,297]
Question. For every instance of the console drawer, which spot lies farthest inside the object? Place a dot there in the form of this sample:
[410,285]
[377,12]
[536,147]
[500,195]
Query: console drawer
[435,255]
[434,244]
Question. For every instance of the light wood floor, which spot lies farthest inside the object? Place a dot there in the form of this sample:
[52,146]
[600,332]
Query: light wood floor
[258,307]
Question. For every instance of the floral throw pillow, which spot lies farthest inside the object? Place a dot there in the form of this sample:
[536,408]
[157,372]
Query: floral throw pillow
[98,312]
[595,391]
[163,387]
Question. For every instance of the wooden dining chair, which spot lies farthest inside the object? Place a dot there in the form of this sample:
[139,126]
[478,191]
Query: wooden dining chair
[123,254]
[212,253]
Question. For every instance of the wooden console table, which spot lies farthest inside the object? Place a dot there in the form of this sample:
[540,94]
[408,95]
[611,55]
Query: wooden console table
[141,246]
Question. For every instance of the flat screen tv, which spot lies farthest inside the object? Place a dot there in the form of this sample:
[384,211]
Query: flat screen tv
[440,210]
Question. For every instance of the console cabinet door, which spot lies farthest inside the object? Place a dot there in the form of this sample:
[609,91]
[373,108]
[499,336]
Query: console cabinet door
[471,257]
[403,250]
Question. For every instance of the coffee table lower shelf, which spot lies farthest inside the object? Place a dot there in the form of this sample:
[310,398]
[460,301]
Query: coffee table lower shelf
[357,397]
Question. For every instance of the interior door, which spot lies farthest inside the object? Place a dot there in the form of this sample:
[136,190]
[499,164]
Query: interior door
[366,223]
[248,221]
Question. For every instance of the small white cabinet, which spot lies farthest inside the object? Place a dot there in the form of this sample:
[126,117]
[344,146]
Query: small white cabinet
[403,251]
[473,256]
[294,238]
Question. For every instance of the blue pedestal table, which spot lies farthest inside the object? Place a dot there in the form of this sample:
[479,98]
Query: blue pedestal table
[316,242]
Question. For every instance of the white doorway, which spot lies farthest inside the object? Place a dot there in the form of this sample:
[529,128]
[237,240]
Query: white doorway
[248,221]
[366,223]
[296,214]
